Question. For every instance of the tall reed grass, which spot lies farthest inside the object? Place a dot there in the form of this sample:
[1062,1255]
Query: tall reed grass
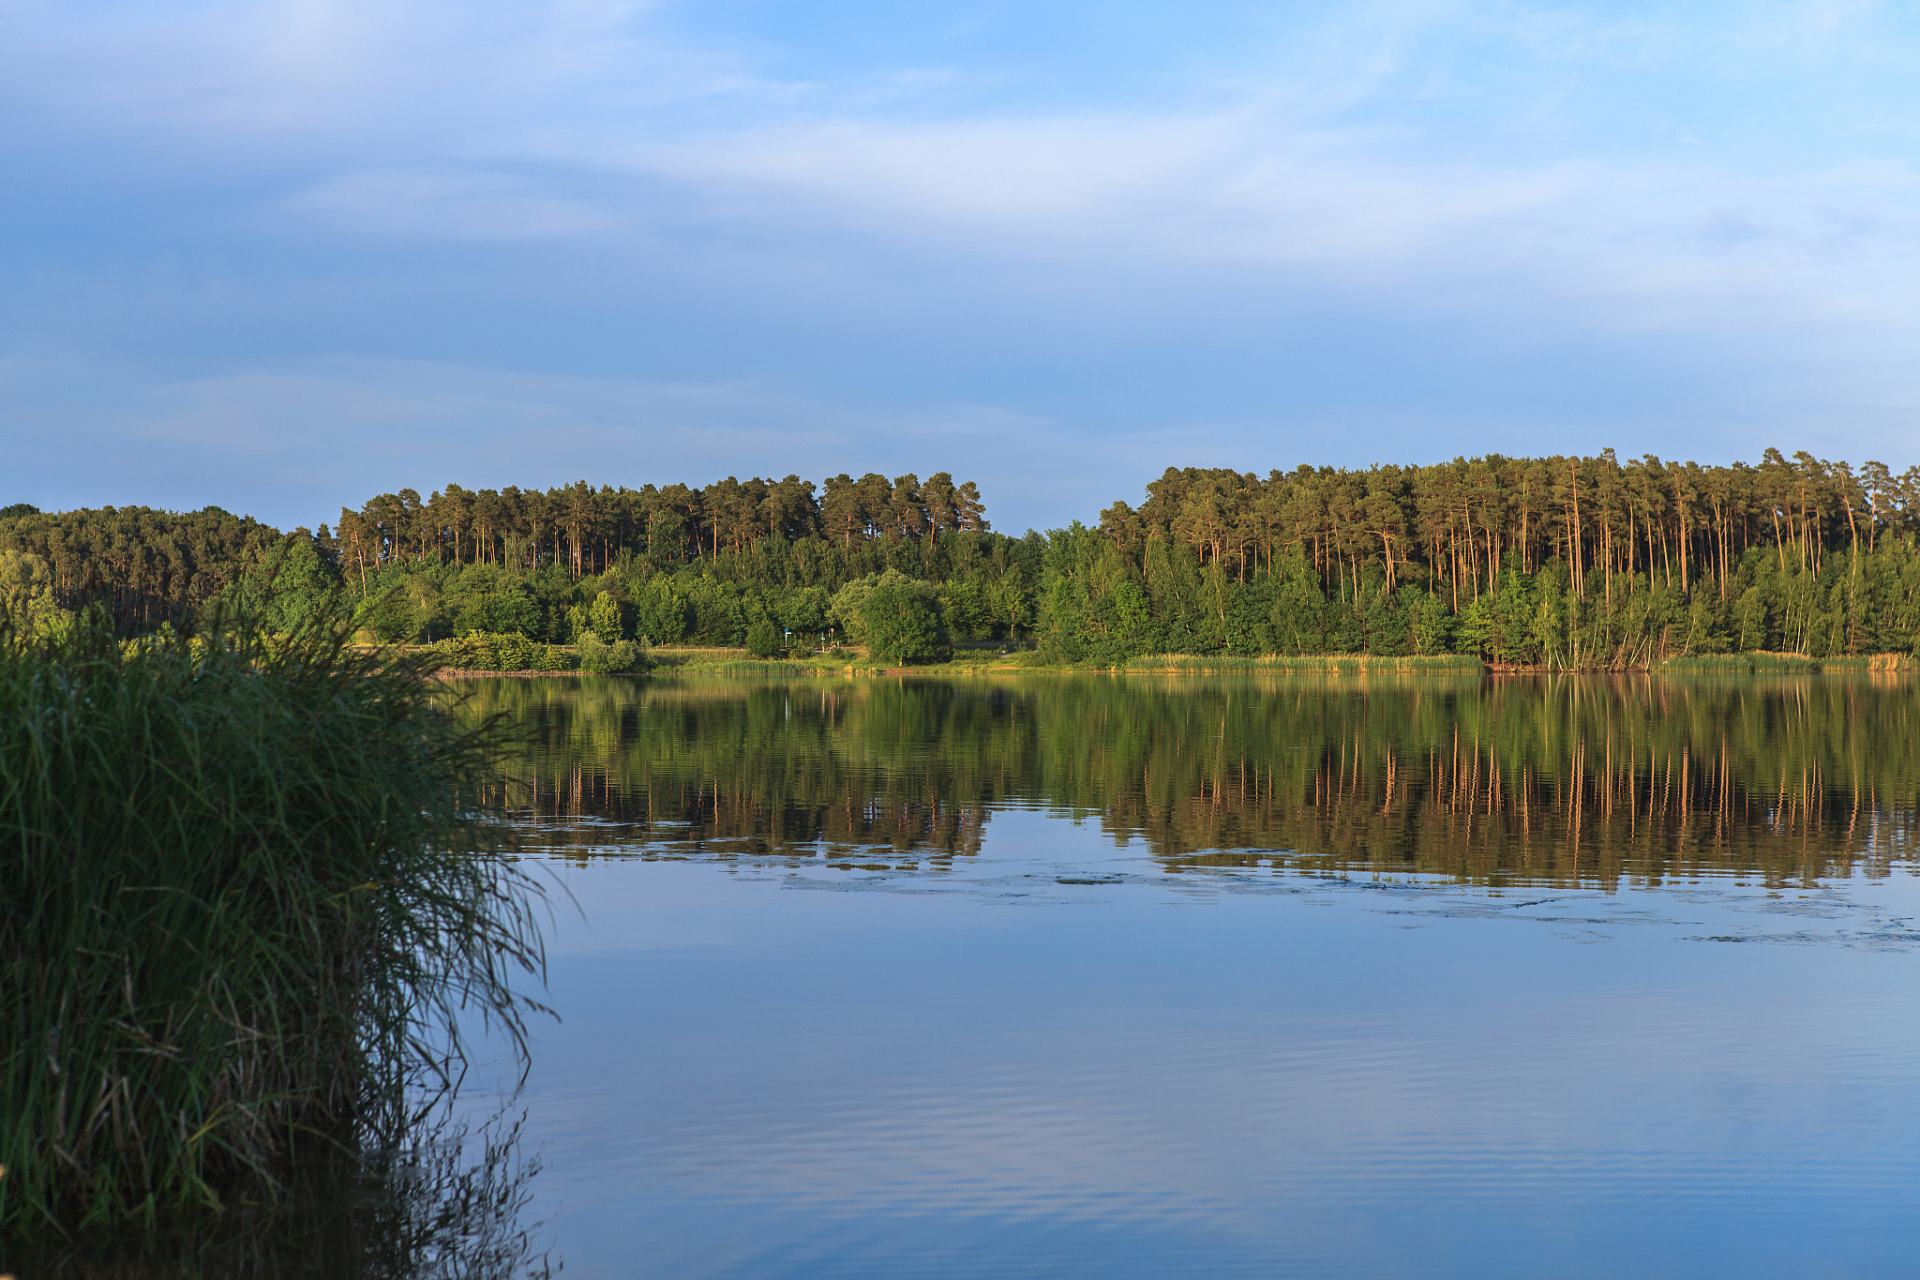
[1874,662]
[243,913]
[1761,663]
[1314,664]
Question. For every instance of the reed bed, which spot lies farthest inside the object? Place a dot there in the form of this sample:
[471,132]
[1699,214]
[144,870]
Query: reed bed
[1760,663]
[1874,662]
[744,667]
[1314,664]
[243,916]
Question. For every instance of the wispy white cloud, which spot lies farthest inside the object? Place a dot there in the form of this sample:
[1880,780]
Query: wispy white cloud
[1350,143]
[1222,187]
[1442,176]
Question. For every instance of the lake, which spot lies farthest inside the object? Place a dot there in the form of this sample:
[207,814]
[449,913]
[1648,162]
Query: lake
[1075,975]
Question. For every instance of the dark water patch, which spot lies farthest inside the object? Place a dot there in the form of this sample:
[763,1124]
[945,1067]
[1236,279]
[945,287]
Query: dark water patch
[452,1203]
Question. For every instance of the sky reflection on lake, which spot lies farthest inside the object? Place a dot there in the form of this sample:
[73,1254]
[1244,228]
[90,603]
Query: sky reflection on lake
[1064,1052]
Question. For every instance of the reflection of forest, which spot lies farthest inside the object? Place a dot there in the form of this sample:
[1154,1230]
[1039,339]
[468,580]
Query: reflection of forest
[1536,778]
[682,768]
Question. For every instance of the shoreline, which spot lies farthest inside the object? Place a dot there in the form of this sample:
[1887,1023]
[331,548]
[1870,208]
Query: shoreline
[1347,668]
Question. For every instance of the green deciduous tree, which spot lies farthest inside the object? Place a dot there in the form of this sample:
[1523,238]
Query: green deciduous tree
[901,624]
[27,603]
[604,616]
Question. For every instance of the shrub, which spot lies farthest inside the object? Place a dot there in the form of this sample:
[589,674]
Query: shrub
[763,639]
[242,903]
[485,651]
[596,655]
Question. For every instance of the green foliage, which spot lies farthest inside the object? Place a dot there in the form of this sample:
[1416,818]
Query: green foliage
[595,654]
[27,603]
[398,608]
[510,608]
[242,903]
[295,586]
[661,614]
[807,610]
[849,606]
[1430,628]
[492,651]
[144,566]
[606,618]
[1501,626]
[763,639]
[1561,562]
[900,622]
[389,617]
[1096,607]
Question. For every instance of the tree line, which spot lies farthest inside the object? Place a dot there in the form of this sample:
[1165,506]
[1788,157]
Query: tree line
[144,566]
[587,529]
[1577,561]
[1572,561]
[1455,526]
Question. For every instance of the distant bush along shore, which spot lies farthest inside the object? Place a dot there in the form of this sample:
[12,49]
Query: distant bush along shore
[1565,562]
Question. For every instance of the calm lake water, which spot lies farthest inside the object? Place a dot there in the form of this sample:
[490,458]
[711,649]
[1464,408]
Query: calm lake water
[1061,976]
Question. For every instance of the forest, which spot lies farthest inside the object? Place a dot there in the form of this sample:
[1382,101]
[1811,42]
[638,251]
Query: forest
[1579,562]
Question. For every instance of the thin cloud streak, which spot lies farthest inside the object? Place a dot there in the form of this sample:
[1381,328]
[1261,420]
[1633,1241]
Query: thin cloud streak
[1410,229]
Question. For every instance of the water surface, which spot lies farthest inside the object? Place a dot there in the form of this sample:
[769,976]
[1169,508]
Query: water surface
[1152,977]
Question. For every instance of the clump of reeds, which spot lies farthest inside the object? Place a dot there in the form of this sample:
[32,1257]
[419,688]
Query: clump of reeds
[1873,662]
[744,667]
[241,908]
[1315,664]
[1754,663]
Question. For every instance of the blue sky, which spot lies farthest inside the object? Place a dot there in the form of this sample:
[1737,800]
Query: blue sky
[282,256]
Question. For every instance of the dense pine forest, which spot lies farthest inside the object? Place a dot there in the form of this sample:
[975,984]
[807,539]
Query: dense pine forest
[1570,561]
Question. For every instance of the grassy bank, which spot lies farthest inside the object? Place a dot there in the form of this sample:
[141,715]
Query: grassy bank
[241,905]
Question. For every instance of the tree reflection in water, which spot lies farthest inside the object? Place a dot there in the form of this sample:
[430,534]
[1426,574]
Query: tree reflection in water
[1542,779]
